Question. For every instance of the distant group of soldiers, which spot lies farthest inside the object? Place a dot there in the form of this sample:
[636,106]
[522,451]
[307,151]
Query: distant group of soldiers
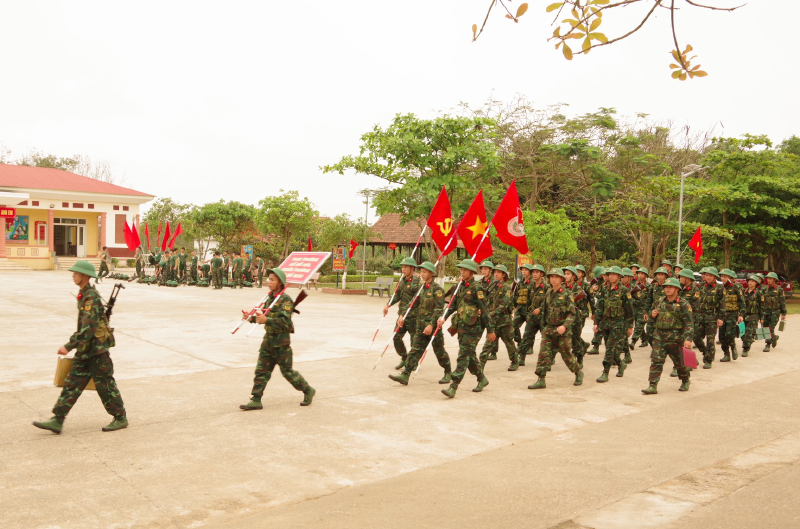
[672,312]
[179,267]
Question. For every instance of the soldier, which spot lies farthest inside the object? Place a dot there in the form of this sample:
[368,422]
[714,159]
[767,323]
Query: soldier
[431,308]
[676,270]
[163,269]
[104,259]
[91,342]
[216,270]
[711,314]
[627,278]
[258,270]
[487,271]
[193,266]
[175,261]
[472,317]
[774,304]
[246,271]
[734,314]
[584,306]
[138,259]
[614,313]
[672,318]
[404,296]
[226,264]
[276,347]
[580,298]
[753,312]
[635,269]
[182,264]
[501,308]
[558,316]
[655,292]
[521,301]
[666,264]
[533,324]
[597,290]
[638,296]
[237,269]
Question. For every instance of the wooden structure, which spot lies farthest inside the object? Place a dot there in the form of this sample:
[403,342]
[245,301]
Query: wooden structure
[391,237]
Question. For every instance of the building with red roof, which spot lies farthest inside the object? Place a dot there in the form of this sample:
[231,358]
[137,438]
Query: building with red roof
[62,214]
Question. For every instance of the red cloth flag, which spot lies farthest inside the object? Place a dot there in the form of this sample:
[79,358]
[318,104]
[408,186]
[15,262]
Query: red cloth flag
[473,230]
[137,241]
[353,246]
[178,231]
[129,237]
[147,235]
[166,238]
[508,221]
[441,224]
[696,244]
[309,243]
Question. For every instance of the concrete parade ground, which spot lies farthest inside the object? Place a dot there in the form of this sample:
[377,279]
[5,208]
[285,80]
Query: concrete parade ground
[370,452]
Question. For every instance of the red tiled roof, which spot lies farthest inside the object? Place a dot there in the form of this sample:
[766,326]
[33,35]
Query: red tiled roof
[387,229]
[25,176]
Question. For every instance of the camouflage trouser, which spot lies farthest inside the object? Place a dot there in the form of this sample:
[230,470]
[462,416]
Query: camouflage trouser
[260,277]
[505,333]
[599,336]
[771,319]
[419,342]
[138,269]
[749,337]
[101,369]
[268,357]
[705,333]
[616,341]
[520,315]
[728,332]
[532,326]
[216,277]
[467,359]
[409,327]
[579,346]
[638,327]
[181,270]
[662,349]
[103,270]
[237,279]
[194,274]
[553,343]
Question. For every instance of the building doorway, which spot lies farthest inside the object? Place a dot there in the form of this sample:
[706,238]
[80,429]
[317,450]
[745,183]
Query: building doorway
[69,237]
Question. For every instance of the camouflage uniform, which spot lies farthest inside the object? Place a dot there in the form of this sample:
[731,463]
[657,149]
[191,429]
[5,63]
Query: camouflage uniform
[226,266]
[216,272]
[193,270]
[558,309]
[734,308]
[614,315]
[501,308]
[404,296]
[581,299]
[712,308]
[655,293]
[431,308]
[638,297]
[181,265]
[237,272]
[774,306]
[276,348]
[753,313]
[521,302]
[471,318]
[103,265]
[137,258]
[601,334]
[91,342]
[248,274]
[533,323]
[673,326]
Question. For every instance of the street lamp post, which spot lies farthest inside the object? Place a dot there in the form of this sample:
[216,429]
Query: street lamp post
[688,170]
[366,193]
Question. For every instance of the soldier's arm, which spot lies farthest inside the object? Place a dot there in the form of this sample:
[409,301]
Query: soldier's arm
[486,318]
[598,311]
[89,321]
[398,293]
[507,302]
[688,321]
[438,310]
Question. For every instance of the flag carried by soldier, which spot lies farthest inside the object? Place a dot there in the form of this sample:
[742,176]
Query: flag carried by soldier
[441,224]
[507,221]
[473,230]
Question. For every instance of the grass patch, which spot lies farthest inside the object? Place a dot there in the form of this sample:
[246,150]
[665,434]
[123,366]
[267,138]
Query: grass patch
[793,305]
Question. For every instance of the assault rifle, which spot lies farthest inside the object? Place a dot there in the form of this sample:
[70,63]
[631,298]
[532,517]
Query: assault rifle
[113,299]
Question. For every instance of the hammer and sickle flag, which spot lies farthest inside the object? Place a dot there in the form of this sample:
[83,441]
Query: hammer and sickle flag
[508,221]
[441,224]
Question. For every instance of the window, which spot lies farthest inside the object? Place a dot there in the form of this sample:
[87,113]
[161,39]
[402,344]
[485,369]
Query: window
[65,204]
[91,206]
[116,208]
[119,228]
[77,205]
[124,208]
[35,202]
[23,203]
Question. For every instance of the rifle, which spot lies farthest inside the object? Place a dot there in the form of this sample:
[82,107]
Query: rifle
[300,297]
[257,308]
[113,299]
[580,296]
[636,289]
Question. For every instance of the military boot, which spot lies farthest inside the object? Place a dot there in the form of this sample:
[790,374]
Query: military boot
[595,350]
[446,378]
[308,396]
[451,391]
[492,356]
[578,378]
[726,357]
[775,340]
[402,378]
[513,367]
[481,384]
[54,424]
[604,377]
[745,352]
[684,385]
[632,344]
[539,384]
[766,347]
[734,351]
[645,343]
[706,365]
[628,359]
[622,366]
[652,389]
[674,372]
[521,360]
[117,424]
[254,404]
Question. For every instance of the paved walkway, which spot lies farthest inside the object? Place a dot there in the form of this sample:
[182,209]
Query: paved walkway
[368,452]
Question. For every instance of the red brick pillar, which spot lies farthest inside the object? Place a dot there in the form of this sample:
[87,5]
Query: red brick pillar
[51,228]
[103,225]
[2,237]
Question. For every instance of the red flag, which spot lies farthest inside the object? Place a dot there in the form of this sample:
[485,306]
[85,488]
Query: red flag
[309,243]
[166,238]
[473,230]
[353,246]
[147,235]
[137,241]
[158,236]
[178,231]
[441,224]
[508,221]
[129,237]
[696,244]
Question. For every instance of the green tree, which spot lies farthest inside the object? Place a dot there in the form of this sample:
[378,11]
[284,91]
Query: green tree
[790,146]
[230,224]
[161,211]
[551,235]
[287,219]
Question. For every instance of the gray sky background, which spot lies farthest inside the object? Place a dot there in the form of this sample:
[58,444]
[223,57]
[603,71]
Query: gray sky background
[206,100]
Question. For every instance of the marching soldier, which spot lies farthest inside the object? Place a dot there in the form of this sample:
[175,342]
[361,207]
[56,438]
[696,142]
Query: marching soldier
[487,271]
[580,298]
[533,324]
[558,317]
[672,319]
[431,308]
[627,278]
[471,319]
[773,305]
[501,308]
[521,301]
[104,259]
[753,312]
[711,314]
[598,290]
[666,264]
[91,342]
[583,306]
[614,314]
[676,270]
[638,296]
[655,292]
[276,347]
[734,310]
[404,296]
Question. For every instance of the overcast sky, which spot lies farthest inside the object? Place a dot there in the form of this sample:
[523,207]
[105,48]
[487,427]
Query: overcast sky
[235,100]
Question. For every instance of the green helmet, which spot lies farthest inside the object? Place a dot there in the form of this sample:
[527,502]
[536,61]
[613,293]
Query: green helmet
[278,272]
[614,270]
[84,267]
[773,275]
[712,270]
[686,273]
[677,265]
[571,269]
[429,266]
[539,268]
[597,271]
[627,272]
[644,271]
[581,268]
[728,272]
[409,261]
[486,264]
[635,265]
[555,272]
[672,282]
[755,278]
[502,268]
[527,266]
[666,262]
[469,264]
[661,270]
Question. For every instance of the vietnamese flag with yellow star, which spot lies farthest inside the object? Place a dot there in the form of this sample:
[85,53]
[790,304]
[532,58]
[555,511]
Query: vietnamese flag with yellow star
[472,230]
